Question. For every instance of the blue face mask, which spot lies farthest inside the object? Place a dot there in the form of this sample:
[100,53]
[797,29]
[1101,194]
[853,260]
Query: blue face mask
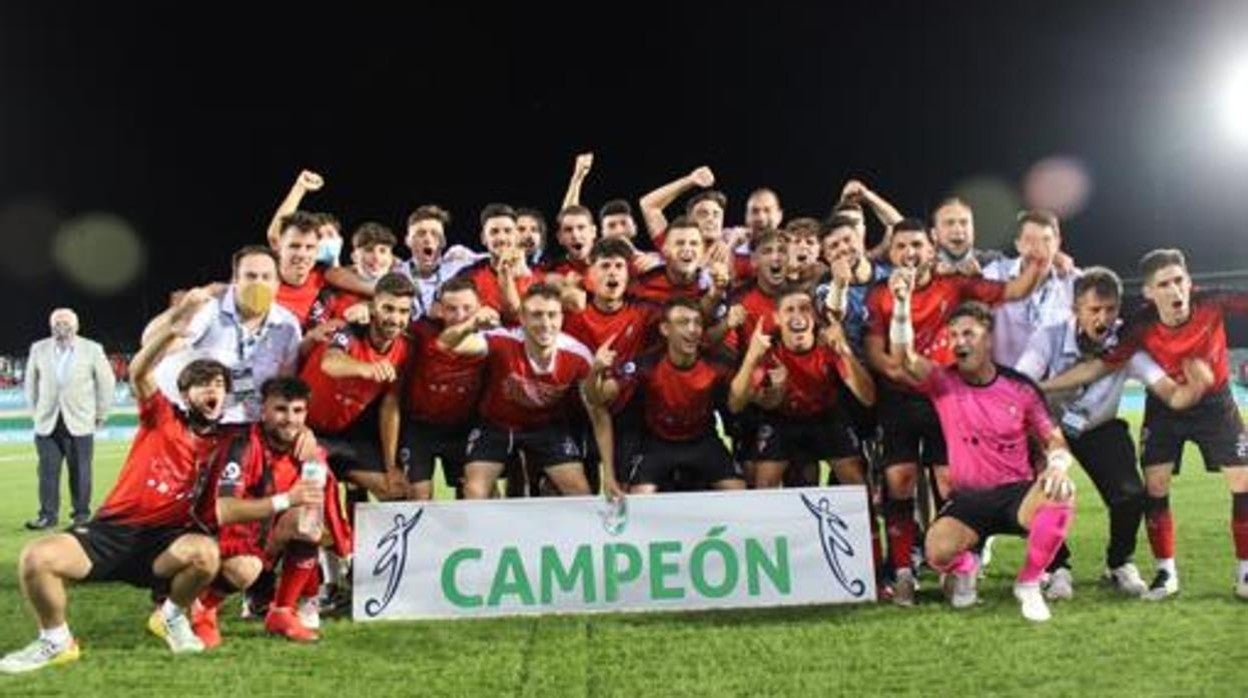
[327,251]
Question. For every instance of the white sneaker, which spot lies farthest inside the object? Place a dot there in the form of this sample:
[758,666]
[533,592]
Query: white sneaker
[1163,587]
[1241,588]
[1033,606]
[1126,579]
[308,610]
[904,588]
[37,655]
[176,632]
[960,589]
[1061,585]
[985,556]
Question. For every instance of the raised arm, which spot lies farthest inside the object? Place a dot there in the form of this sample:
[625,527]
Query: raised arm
[572,197]
[741,391]
[306,181]
[337,363]
[172,325]
[900,330]
[345,279]
[852,371]
[653,203]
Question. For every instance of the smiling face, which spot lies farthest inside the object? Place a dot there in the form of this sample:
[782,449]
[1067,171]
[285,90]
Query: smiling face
[910,248]
[843,242]
[576,235]
[795,316]
[618,225]
[682,250]
[529,234]
[954,229]
[709,216]
[498,235]
[682,327]
[1170,289]
[373,261]
[542,318]
[609,276]
[389,315]
[455,307]
[296,254]
[762,211]
[426,238]
[283,420]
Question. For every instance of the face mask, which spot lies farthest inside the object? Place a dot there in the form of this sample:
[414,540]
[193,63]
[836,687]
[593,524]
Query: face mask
[254,299]
[327,251]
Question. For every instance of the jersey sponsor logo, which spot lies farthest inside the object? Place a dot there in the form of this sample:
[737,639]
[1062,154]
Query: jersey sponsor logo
[232,472]
[392,560]
[834,539]
[629,368]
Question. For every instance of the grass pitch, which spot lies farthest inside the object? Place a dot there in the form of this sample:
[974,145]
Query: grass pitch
[1097,644]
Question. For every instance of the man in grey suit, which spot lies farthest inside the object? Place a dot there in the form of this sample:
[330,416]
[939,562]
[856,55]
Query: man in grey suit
[69,385]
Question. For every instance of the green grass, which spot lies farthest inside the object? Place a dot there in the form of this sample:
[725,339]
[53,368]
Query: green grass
[1098,644]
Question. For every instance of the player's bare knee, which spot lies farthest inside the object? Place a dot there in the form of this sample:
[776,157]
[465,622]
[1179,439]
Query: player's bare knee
[38,557]
[202,555]
[1236,479]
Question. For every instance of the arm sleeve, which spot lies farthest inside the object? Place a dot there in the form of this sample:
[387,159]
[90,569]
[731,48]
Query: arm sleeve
[155,410]
[31,379]
[1142,368]
[1034,363]
[976,288]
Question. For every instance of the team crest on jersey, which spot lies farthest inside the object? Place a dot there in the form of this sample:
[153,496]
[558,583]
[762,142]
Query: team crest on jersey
[232,472]
[629,367]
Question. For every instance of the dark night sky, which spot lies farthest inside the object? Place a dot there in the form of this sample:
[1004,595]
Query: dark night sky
[191,126]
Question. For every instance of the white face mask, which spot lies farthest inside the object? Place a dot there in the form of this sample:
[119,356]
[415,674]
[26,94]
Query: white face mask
[328,250]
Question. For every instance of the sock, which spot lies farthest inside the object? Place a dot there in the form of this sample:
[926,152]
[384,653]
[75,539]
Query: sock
[877,548]
[964,563]
[1167,564]
[312,585]
[216,593]
[170,610]
[332,567]
[298,563]
[901,530]
[58,636]
[1048,531]
[1124,525]
[1160,526]
[1239,524]
[1061,559]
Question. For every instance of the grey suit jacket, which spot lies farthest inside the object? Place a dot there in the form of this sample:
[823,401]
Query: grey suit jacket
[85,396]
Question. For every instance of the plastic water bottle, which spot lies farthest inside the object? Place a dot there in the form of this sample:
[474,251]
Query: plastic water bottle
[310,517]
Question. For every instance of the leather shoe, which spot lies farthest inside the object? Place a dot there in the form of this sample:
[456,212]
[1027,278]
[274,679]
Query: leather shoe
[42,523]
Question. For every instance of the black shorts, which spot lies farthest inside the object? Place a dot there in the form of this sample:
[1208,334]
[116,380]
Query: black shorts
[701,462]
[989,512]
[626,435]
[552,445]
[421,443]
[865,420]
[799,441]
[123,552]
[910,430]
[356,448]
[1213,424]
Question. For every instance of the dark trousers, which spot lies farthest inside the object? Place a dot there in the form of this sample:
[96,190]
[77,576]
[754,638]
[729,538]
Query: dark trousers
[76,451]
[1107,454]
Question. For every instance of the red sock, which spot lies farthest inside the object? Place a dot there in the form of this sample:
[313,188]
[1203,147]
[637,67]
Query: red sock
[298,563]
[902,530]
[312,586]
[211,598]
[1239,523]
[1047,533]
[1160,526]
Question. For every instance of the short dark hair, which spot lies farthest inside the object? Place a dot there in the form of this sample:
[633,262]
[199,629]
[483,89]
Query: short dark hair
[371,234]
[251,251]
[803,227]
[976,311]
[681,222]
[395,284]
[541,289]
[456,284]
[763,237]
[680,302]
[764,190]
[535,215]
[201,372]
[706,195]
[616,248]
[1037,216]
[1157,260]
[1100,280]
[835,223]
[615,207]
[285,388]
[793,290]
[948,201]
[574,210]
[497,211]
[909,225]
[429,212]
[302,221]
[326,218]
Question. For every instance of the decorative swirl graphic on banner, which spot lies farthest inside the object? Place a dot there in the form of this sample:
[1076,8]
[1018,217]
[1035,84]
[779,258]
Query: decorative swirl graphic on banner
[393,560]
[835,542]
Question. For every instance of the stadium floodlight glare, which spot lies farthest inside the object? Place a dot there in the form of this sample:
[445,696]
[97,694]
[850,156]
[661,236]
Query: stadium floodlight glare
[1235,102]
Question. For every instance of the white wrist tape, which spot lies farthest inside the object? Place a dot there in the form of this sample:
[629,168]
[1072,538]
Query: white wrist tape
[1060,459]
[900,331]
[280,502]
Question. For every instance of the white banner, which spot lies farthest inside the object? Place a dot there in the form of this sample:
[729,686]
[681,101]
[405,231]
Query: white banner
[581,554]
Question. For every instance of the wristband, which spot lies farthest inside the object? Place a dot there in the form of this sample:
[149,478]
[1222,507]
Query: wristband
[280,502]
[1060,459]
[900,332]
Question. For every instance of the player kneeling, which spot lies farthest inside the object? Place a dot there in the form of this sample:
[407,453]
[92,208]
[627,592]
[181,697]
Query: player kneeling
[271,508]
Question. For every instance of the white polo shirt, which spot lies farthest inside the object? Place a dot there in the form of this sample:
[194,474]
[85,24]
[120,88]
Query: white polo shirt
[1051,302]
[216,332]
[1053,349]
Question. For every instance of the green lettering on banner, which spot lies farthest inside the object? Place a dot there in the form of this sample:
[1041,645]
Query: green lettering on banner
[553,572]
[612,575]
[660,569]
[449,590]
[697,565]
[510,579]
[777,570]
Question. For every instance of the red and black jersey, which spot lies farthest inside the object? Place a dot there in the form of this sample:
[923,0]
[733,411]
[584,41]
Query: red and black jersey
[759,307]
[814,379]
[1202,336]
[334,305]
[490,290]
[301,299]
[635,327]
[338,402]
[655,287]
[523,397]
[930,308]
[166,469]
[678,404]
[442,387]
[245,467]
